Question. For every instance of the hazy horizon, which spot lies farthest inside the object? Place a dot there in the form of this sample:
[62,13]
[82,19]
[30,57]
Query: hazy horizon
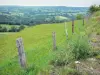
[68,3]
[41,6]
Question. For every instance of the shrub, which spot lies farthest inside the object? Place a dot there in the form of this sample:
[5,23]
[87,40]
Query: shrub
[71,71]
[98,32]
[79,16]
[13,29]
[79,47]
[0,28]
[4,29]
[62,57]
[21,27]
[98,57]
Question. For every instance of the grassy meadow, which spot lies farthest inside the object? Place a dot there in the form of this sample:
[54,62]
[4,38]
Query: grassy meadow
[38,47]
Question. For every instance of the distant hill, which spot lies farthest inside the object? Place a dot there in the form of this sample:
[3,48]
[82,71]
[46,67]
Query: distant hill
[31,15]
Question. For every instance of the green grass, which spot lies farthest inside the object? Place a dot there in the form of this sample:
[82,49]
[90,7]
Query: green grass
[38,47]
[93,24]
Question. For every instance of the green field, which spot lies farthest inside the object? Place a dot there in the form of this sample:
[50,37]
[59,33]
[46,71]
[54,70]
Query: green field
[38,46]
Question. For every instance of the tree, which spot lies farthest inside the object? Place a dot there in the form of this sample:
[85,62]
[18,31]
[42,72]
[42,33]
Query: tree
[4,29]
[79,16]
[13,29]
[21,27]
[94,8]
[0,28]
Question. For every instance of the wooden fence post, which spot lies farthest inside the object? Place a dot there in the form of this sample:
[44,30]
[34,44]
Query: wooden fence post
[22,58]
[54,40]
[72,26]
[66,31]
[83,21]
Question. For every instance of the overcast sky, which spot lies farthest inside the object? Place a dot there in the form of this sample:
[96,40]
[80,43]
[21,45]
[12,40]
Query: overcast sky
[82,3]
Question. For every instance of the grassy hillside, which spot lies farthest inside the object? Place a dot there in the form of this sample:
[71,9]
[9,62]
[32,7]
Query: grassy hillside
[93,30]
[93,24]
[38,47]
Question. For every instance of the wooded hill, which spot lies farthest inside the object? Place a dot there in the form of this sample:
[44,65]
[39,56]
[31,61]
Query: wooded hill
[32,15]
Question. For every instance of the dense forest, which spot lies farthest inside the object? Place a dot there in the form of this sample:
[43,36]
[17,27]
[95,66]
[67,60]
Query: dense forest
[32,15]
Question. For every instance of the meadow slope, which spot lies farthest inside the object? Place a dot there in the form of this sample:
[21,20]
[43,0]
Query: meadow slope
[37,43]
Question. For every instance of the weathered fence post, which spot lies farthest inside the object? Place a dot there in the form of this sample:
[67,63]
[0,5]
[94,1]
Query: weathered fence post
[22,59]
[54,40]
[83,21]
[72,26]
[66,31]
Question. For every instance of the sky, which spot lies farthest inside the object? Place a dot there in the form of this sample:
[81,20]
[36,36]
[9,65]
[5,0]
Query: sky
[76,3]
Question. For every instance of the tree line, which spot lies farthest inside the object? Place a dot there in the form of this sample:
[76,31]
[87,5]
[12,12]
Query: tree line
[12,29]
